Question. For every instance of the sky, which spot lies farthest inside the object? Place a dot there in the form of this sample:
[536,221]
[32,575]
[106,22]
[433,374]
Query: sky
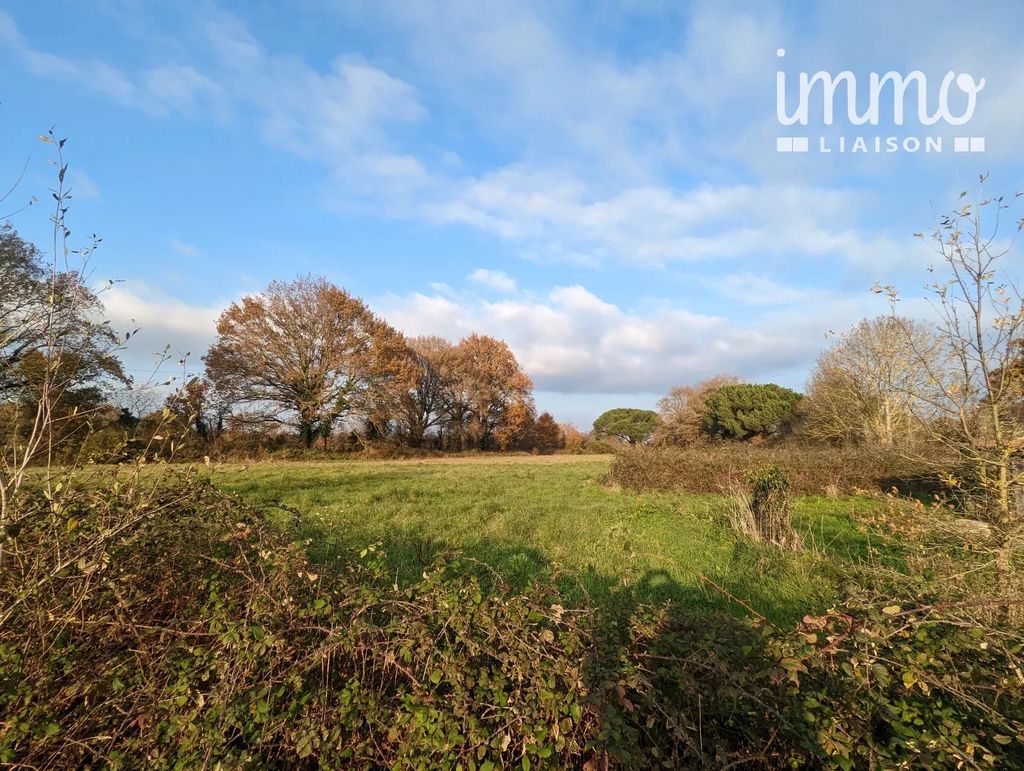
[596,183]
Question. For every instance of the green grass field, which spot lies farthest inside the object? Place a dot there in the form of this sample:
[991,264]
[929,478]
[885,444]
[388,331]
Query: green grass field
[532,516]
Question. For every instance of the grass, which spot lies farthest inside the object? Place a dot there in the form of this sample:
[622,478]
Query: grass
[527,517]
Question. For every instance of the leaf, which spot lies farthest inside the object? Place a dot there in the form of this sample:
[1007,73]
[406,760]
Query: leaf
[435,676]
[891,610]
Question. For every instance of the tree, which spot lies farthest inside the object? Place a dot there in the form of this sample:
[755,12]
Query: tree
[547,434]
[304,354]
[201,408]
[970,400]
[52,315]
[863,387]
[630,425]
[748,411]
[682,411]
[424,387]
[515,431]
[52,344]
[573,439]
[488,390]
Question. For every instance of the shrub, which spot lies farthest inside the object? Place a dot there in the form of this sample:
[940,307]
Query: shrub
[810,469]
[198,637]
[174,627]
[764,514]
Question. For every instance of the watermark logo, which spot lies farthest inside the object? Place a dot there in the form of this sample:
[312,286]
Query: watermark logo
[891,89]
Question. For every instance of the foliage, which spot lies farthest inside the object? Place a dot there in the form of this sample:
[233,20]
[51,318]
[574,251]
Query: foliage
[769,508]
[168,625]
[54,349]
[970,399]
[199,407]
[424,392]
[747,411]
[491,398]
[682,411]
[630,425]
[197,636]
[302,353]
[547,434]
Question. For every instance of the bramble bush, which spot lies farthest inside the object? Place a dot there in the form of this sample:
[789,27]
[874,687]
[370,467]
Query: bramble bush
[810,469]
[171,626]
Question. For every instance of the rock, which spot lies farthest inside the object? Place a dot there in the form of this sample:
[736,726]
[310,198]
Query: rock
[973,529]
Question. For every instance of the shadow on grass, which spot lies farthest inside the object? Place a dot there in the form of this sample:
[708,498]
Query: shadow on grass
[748,584]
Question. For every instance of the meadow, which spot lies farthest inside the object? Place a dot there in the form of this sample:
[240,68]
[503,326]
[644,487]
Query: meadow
[532,517]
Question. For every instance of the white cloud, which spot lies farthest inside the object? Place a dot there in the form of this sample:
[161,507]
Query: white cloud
[160,90]
[164,323]
[184,249]
[557,217]
[578,348]
[597,134]
[751,289]
[182,88]
[572,341]
[495,279]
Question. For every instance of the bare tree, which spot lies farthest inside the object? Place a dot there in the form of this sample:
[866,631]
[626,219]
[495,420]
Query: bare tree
[682,411]
[970,400]
[51,344]
[866,385]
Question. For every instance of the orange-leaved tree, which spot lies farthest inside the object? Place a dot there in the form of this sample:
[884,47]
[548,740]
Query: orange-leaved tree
[303,354]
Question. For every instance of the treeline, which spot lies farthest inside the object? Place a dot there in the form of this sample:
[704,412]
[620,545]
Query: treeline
[301,365]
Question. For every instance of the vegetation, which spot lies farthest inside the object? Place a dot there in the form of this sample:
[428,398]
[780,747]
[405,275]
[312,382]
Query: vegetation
[749,411]
[868,384]
[811,470]
[484,612]
[630,425]
[682,412]
[200,633]
[547,517]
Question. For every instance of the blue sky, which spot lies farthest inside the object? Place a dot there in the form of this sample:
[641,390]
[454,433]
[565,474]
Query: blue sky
[596,183]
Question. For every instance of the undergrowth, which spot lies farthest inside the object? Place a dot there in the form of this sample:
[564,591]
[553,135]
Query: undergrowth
[175,627]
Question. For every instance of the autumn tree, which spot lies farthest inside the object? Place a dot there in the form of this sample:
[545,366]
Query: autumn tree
[515,431]
[54,346]
[424,386]
[488,390]
[547,434]
[304,354]
[55,350]
[573,440]
[682,411]
[864,386]
[633,426]
[749,411]
[200,407]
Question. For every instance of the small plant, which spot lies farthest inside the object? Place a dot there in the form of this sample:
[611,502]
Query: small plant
[764,514]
